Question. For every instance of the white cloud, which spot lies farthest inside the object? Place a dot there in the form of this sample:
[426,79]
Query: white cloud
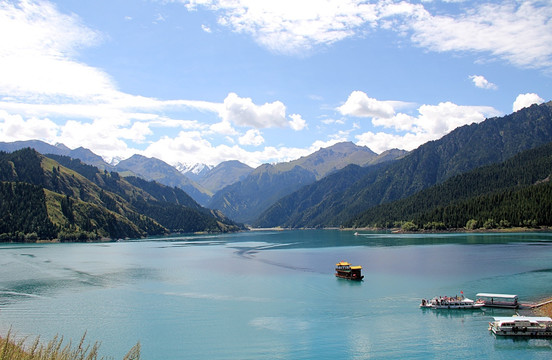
[40,78]
[526,100]
[438,120]
[517,31]
[206,28]
[289,26]
[36,59]
[297,123]
[482,83]
[243,112]
[400,122]
[13,127]
[331,121]
[381,141]
[191,147]
[359,104]
[102,137]
[431,123]
[251,137]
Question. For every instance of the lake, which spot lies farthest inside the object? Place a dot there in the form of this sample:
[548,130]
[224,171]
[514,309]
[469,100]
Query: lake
[273,294]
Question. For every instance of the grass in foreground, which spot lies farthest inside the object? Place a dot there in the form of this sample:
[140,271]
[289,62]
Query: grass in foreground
[54,350]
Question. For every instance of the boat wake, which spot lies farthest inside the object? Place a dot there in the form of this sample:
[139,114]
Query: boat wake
[250,252]
[16,293]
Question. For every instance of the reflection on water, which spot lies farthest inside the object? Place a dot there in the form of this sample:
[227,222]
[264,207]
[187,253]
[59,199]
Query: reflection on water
[260,295]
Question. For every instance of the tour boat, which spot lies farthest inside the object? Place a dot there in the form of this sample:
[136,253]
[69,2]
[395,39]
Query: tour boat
[522,326]
[498,300]
[451,302]
[344,270]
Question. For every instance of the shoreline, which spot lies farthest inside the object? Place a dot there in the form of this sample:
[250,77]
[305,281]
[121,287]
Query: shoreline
[455,230]
[543,308]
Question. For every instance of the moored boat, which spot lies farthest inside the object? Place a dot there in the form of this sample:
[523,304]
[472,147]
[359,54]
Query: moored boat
[451,302]
[530,326]
[345,270]
[498,300]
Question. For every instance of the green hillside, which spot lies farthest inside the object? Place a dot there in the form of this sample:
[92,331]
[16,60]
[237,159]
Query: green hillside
[42,199]
[515,192]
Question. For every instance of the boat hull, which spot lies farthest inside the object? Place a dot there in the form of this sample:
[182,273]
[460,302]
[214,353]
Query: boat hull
[349,277]
[460,306]
[451,303]
[522,333]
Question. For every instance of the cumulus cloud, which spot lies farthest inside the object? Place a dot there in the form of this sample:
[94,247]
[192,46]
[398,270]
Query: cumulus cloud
[482,83]
[297,123]
[192,147]
[13,127]
[432,122]
[243,112]
[526,100]
[381,141]
[359,104]
[251,137]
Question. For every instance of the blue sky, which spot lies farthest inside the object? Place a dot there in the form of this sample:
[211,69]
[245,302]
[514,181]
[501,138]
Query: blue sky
[204,81]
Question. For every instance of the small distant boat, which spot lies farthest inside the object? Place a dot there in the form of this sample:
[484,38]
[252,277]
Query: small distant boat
[451,302]
[522,326]
[345,270]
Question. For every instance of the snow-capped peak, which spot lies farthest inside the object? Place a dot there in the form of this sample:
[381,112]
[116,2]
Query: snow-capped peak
[196,169]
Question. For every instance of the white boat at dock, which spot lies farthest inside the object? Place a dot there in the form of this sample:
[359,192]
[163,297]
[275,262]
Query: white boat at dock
[498,300]
[448,302]
[522,326]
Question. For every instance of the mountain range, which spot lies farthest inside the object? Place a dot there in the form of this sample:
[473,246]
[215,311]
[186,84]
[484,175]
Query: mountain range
[243,201]
[342,185]
[236,189]
[339,197]
[206,182]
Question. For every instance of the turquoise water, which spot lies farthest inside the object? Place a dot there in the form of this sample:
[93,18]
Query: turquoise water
[273,295]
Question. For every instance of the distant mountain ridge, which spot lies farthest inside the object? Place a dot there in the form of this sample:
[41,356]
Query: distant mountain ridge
[81,153]
[195,172]
[210,180]
[243,201]
[466,148]
[224,174]
[336,157]
[158,170]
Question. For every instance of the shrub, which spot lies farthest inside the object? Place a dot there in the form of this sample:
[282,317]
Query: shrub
[472,224]
[409,226]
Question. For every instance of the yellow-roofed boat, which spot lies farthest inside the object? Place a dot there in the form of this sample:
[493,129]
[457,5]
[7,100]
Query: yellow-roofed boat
[345,270]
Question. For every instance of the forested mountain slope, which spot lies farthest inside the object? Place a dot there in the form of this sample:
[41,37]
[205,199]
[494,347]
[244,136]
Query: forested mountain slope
[466,148]
[42,199]
[479,191]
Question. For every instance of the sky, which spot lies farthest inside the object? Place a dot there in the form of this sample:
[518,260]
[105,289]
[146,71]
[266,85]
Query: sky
[264,81]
